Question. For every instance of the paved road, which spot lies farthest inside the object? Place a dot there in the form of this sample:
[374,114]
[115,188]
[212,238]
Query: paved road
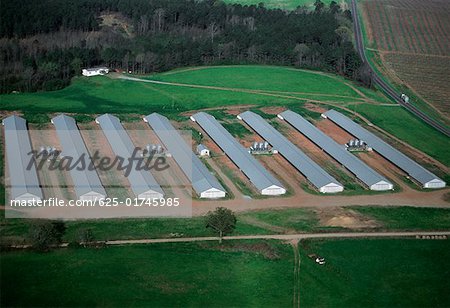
[391,92]
[287,237]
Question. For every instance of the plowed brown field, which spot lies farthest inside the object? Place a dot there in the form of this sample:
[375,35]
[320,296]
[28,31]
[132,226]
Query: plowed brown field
[412,38]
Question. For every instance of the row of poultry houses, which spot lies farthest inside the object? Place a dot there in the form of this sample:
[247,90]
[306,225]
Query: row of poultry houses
[25,183]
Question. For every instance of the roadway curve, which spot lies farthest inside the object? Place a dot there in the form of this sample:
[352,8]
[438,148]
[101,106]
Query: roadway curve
[384,85]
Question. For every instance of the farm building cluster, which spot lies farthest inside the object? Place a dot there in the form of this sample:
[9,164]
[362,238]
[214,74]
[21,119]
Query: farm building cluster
[25,184]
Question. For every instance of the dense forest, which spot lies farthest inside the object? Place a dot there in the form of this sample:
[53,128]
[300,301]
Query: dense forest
[44,43]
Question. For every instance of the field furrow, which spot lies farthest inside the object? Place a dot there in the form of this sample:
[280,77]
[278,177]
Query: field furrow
[413,40]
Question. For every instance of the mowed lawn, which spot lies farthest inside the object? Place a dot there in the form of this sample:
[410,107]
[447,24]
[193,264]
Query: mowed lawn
[375,273]
[267,78]
[247,274]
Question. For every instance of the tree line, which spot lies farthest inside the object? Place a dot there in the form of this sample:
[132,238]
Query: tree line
[45,43]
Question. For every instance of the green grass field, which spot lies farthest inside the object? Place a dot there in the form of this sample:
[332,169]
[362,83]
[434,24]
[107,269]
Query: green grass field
[408,218]
[102,94]
[188,275]
[267,78]
[388,218]
[279,4]
[375,273]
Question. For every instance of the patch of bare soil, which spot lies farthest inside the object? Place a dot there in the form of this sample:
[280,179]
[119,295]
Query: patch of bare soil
[286,173]
[335,132]
[314,107]
[234,112]
[273,110]
[232,109]
[6,113]
[383,166]
[338,217]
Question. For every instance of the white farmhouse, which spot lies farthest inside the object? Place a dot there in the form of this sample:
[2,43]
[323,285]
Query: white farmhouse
[95,71]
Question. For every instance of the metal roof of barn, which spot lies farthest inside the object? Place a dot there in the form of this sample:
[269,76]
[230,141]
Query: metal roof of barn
[312,171]
[85,181]
[141,181]
[405,163]
[200,177]
[363,172]
[201,147]
[17,146]
[257,174]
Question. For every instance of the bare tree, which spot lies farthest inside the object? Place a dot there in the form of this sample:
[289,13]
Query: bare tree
[158,19]
[213,29]
[143,25]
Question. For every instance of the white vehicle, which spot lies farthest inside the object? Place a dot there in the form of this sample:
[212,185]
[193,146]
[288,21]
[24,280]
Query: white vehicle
[405,98]
[320,261]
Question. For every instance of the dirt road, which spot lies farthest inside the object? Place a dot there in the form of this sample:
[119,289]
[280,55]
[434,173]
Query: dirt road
[285,237]
[408,198]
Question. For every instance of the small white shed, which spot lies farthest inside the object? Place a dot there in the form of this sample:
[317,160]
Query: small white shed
[202,150]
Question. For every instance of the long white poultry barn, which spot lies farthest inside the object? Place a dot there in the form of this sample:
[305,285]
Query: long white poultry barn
[364,173]
[24,181]
[142,183]
[203,182]
[413,169]
[324,182]
[266,183]
[86,182]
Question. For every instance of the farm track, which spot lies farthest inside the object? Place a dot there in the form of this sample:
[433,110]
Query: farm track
[282,237]
[281,94]
[377,79]
[285,237]
[296,297]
